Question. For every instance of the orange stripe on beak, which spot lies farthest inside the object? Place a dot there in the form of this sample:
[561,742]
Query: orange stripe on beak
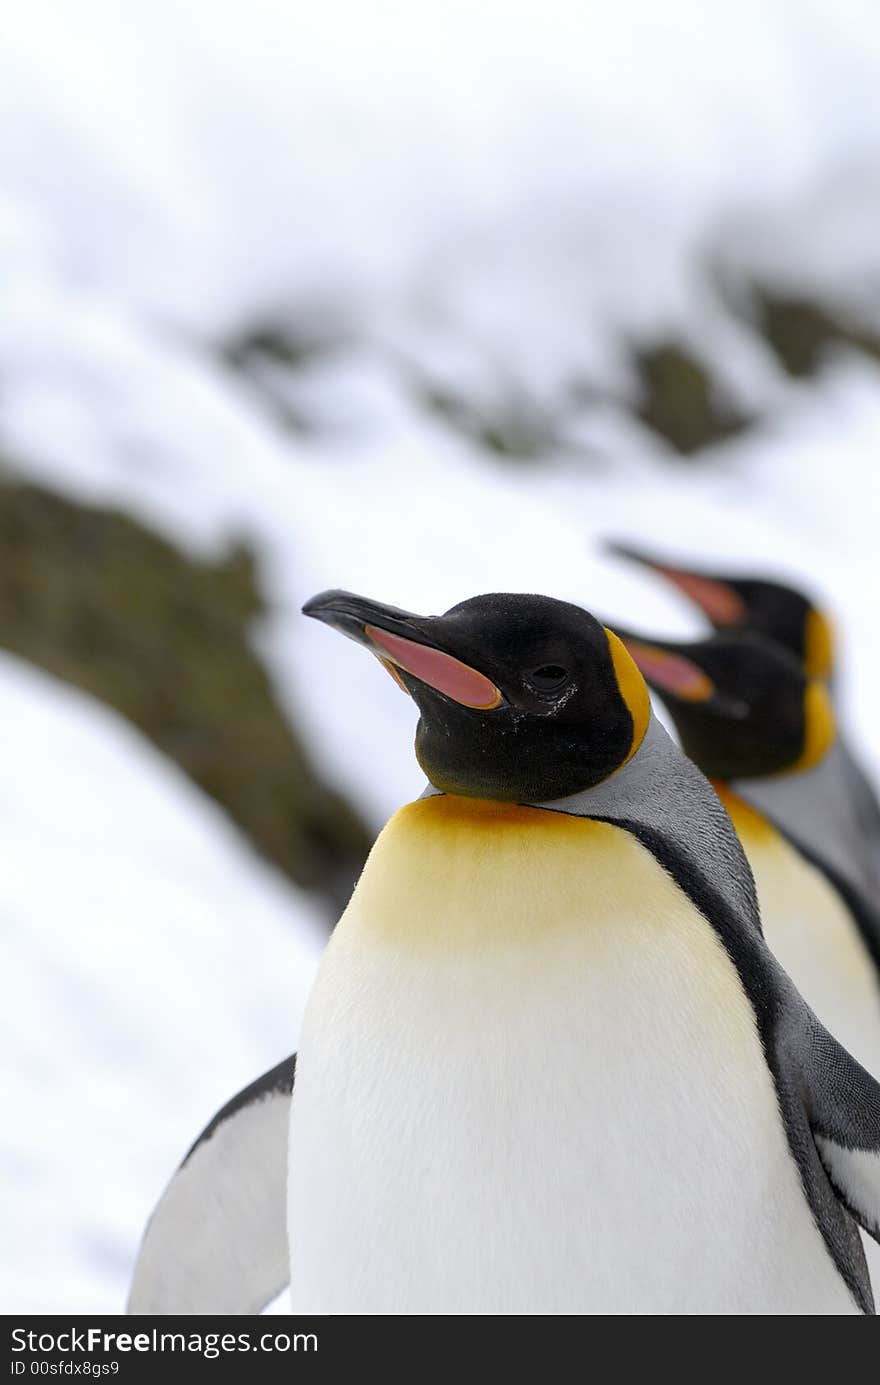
[440,671]
[389,668]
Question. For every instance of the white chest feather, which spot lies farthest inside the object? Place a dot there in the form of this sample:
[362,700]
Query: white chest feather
[530,1082]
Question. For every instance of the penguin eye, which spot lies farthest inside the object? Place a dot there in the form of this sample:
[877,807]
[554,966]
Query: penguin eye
[548,678]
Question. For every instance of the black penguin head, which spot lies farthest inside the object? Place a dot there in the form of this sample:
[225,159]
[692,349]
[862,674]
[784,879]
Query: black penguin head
[742,705]
[521,698]
[773,609]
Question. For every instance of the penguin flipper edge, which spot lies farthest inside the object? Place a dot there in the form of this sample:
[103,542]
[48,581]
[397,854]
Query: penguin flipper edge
[217,1240]
[845,1120]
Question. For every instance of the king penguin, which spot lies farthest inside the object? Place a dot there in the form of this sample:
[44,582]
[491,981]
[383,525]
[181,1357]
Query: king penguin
[548,1065]
[840,791]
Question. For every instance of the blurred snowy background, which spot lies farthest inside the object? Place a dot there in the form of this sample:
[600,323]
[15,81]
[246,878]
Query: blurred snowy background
[421,300]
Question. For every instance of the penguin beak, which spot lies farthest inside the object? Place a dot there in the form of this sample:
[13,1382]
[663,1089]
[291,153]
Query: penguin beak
[666,667]
[403,645]
[720,602]
[351,615]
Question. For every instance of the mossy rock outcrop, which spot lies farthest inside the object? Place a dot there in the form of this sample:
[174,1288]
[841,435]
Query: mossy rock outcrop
[801,332]
[97,599]
[512,429]
[680,400]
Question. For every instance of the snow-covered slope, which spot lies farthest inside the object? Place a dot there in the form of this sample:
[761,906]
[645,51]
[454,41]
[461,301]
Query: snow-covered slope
[394,504]
[151,966]
[472,185]
[203,157]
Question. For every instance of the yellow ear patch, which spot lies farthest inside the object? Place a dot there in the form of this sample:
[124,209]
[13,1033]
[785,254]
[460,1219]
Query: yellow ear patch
[818,645]
[820,727]
[633,690]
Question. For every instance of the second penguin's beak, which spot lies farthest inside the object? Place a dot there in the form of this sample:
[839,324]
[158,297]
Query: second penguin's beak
[668,666]
[404,644]
[716,597]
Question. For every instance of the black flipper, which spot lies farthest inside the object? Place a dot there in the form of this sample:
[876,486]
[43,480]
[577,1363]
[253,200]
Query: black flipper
[217,1241]
[845,1120]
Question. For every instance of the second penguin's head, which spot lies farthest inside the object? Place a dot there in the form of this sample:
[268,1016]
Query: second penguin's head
[759,605]
[520,698]
[742,705]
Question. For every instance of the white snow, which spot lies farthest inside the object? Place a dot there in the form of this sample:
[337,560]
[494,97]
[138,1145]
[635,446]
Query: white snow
[151,967]
[495,199]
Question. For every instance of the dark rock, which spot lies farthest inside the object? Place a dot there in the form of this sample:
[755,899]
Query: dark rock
[680,400]
[801,333]
[94,597]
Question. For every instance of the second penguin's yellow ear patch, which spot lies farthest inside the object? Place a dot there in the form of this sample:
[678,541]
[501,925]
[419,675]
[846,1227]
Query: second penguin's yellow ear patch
[633,690]
[818,645]
[820,727]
